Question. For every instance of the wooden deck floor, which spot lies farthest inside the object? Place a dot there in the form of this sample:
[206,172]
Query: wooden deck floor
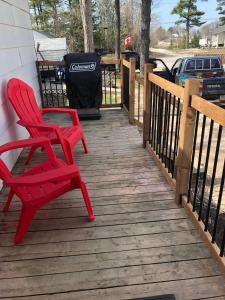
[140,245]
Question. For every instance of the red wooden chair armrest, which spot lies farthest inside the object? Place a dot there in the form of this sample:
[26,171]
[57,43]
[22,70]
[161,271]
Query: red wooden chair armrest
[38,126]
[72,112]
[39,141]
[62,173]
[35,142]
[41,127]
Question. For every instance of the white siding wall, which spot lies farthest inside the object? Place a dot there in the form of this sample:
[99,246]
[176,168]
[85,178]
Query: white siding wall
[17,59]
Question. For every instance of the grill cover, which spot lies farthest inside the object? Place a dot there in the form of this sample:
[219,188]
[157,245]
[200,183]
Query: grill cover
[83,80]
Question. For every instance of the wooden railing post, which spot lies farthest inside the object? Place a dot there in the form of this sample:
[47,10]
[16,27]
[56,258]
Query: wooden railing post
[122,57]
[148,68]
[186,139]
[132,89]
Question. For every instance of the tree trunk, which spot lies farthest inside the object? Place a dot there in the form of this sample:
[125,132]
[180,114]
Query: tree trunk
[36,16]
[117,41]
[56,23]
[85,6]
[187,34]
[145,32]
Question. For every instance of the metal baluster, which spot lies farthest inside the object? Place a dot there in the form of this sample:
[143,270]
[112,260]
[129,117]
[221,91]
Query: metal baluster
[165,126]
[223,243]
[150,112]
[213,176]
[168,130]
[153,115]
[161,122]
[115,87]
[43,80]
[104,82]
[51,89]
[171,135]
[206,169]
[199,161]
[56,88]
[218,204]
[176,135]
[110,85]
[193,156]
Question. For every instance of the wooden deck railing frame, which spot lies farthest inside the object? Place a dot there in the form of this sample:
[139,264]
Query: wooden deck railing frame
[170,87]
[48,63]
[131,66]
[217,114]
[191,103]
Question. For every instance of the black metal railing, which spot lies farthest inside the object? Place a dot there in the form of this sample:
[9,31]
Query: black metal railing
[165,113]
[110,84]
[53,86]
[206,183]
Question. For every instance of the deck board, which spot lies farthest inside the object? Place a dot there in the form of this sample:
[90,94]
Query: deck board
[141,244]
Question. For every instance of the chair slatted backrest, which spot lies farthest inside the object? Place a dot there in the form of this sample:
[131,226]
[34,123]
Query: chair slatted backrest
[23,100]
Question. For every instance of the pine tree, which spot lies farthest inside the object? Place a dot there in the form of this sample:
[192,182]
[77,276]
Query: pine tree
[221,11]
[189,15]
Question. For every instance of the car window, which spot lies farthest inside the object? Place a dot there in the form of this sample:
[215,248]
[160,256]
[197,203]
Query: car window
[199,64]
[190,64]
[207,63]
[177,64]
[215,64]
[181,66]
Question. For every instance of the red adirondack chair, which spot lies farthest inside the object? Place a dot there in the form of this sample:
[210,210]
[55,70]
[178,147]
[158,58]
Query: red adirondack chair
[41,184]
[24,103]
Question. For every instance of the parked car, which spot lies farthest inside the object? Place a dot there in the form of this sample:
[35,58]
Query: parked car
[208,69]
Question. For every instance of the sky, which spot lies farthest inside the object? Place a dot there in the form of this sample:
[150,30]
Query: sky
[163,9]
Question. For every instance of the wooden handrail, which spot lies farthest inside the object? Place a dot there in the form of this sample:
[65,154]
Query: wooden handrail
[126,63]
[172,88]
[104,61]
[210,110]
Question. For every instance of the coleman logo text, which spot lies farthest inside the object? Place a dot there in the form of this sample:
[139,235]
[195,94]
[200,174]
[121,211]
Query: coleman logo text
[83,67]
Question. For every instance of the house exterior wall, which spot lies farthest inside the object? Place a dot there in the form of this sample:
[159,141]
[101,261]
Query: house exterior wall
[17,59]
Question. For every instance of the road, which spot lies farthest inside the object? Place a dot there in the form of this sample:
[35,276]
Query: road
[169,56]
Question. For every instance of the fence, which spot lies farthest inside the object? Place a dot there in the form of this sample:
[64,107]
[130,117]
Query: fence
[51,76]
[185,135]
[209,52]
[207,172]
[118,86]
[164,120]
